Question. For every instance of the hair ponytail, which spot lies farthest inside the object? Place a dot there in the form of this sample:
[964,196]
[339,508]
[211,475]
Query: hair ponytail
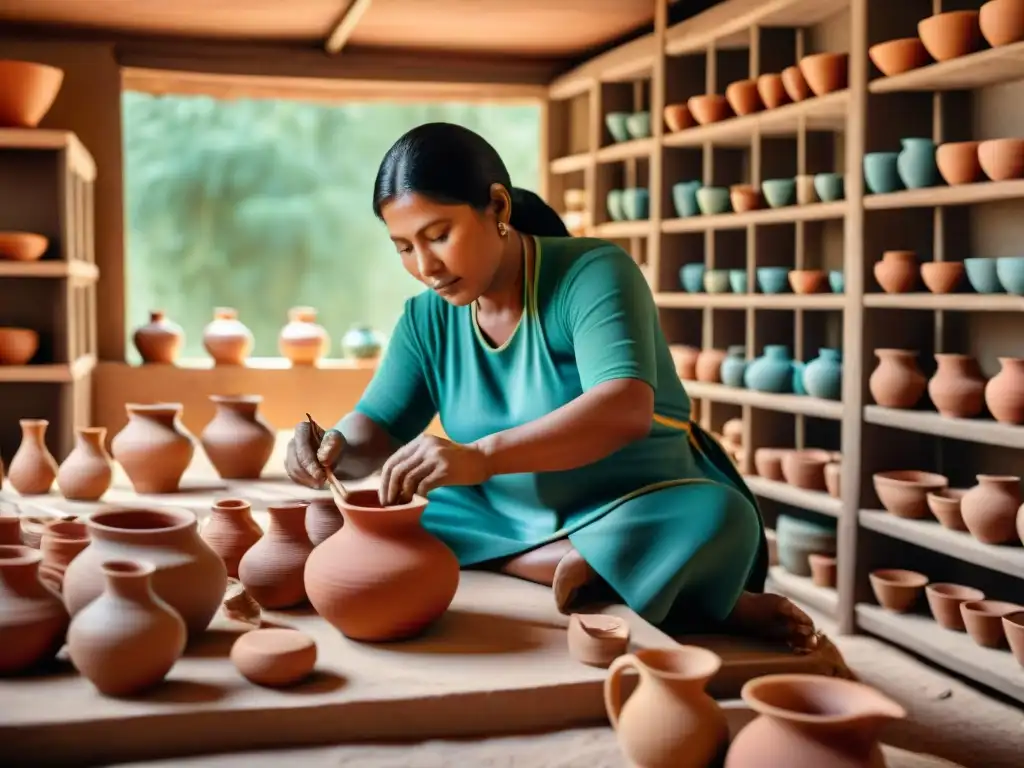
[532,216]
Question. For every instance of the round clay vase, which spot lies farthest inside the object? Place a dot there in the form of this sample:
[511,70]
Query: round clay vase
[323,520]
[226,339]
[231,532]
[669,721]
[154,448]
[303,341]
[989,509]
[1004,393]
[897,382]
[274,657]
[897,272]
[772,372]
[32,619]
[360,342]
[189,575]
[127,639]
[62,541]
[160,340]
[812,720]
[33,468]
[272,570]
[823,376]
[86,473]
[957,388]
[709,365]
[382,576]
[916,163]
[238,441]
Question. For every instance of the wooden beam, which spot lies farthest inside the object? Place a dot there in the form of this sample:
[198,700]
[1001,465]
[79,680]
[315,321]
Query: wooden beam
[346,24]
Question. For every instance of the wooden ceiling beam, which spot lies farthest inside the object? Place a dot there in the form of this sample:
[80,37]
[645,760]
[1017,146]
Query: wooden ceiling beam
[352,12]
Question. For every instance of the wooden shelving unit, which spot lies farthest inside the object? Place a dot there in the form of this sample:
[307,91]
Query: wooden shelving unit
[978,96]
[46,186]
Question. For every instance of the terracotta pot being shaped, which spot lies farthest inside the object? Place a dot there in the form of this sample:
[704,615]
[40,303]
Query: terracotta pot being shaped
[272,569]
[323,520]
[231,532]
[62,541]
[127,639]
[897,382]
[382,576]
[160,340]
[86,473]
[1004,393]
[226,338]
[33,468]
[989,509]
[811,720]
[154,448]
[302,340]
[32,619]
[957,389]
[189,575]
[27,91]
[238,441]
[709,365]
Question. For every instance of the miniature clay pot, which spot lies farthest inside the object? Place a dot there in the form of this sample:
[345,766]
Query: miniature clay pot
[27,91]
[744,197]
[904,492]
[709,365]
[272,569]
[895,589]
[231,532]
[897,271]
[806,468]
[1002,159]
[238,441]
[894,57]
[957,389]
[825,72]
[368,596]
[795,84]
[18,345]
[989,509]
[62,541]
[1004,393]
[743,97]
[942,276]
[772,91]
[154,448]
[226,339]
[811,720]
[808,280]
[323,520]
[597,639]
[126,640]
[685,358]
[302,340]
[33,468]
[691,728]
[86,474]
[945,505]
[361,342]
[950,35]
[160,340]
[274,657]
[958,162]
[897,382]
[710,108]
[1013,628]
[678,118]
[768,463]
[239,606]
[823,570]
[945,600]
[1002,22]
[189,575]
[32,619]
[833,477]
[984,621]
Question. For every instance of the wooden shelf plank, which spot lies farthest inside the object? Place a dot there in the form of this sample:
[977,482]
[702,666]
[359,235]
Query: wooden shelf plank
[955,302]
[791,213]
[784,493]
[937,197]
[80,160]
[49,269]
[990,67]
[801,404]
[570,163]
[626,150]
[929,534]
[48,373]
[803,590]
[985,431]
[956,651]
[612,230]
[683,300]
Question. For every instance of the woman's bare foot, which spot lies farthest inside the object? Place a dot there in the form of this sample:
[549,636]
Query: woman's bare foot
[572,574]
[773,617]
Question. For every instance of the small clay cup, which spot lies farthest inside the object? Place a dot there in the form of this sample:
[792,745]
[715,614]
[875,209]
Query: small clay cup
[772,91]
[825,72]
[895,57]
[710,108]
[904,492]
[945,600]
[984,621]
[823,570]
[744,197]
[743,97]
[678,117]
[942,276]
[597,639]
[806,468]
[895,589]
[1013,628]
[768,463]
[795,84]
[958,162]
[804,281]
[945,505]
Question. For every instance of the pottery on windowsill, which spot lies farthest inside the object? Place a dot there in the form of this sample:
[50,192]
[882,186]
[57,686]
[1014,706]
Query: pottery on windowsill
[896,589]
[160,340]
[904,492]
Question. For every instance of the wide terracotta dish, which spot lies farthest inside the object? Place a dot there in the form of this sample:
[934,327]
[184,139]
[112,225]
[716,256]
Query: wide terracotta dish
[904,492]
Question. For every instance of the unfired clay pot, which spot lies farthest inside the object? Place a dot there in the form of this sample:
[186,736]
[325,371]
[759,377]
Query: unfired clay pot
[942,276]
[303,341]
[382,576]
[812,720]
[160,340]
[323,520]
[709,365]
[62,541]
[823,570]
[272,570]
[126,640]
[231,532]
[1004,393]
[238,440]
[189,575]
[958,162]
[950,35]
[957,388]
[32,619]
[989,509]
[86,473]
[772,91]
[897,382]
[33,468]
[274,657]
[669,721]
[226,339]
[154,448]
[897,271]
[685,358]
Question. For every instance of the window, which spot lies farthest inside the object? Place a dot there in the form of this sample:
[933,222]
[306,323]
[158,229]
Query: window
[263,205]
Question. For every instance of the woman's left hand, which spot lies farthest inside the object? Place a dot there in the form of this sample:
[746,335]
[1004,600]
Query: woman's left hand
[430,462]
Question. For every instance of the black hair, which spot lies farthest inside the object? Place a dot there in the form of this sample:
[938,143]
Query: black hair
[453,165]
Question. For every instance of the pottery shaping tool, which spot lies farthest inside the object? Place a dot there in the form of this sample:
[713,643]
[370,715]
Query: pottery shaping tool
[338,490]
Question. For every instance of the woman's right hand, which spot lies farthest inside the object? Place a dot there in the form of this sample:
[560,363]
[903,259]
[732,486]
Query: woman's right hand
[307,455]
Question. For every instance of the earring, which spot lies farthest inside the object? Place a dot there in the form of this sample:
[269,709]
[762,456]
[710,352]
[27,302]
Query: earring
[502,229]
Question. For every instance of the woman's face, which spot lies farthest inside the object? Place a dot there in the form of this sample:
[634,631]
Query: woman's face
[452,249]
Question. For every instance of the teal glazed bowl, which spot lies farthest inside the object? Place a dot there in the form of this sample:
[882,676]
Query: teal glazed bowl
[691,277]
[713,200]
[779,192]
[773,279]
[615,210]
[981,274]
[616,122]
[830,187]
[716,281]
[881,172]
[684,198]
[836,281]
[638,125]
[738,280]
[636,203]
[1010,271]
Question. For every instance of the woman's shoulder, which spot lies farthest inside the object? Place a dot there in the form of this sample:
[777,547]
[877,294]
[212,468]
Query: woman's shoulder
[565,261]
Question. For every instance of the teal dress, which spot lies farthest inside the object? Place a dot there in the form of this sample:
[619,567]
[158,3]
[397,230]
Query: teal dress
[666,521]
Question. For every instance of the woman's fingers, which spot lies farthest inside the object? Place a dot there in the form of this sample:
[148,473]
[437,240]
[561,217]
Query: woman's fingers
[305,453]
[413,479]
[393,473]
[331,446]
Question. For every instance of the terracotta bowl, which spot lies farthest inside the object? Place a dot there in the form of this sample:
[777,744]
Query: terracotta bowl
[942,276]
[27,91]
[22,246]
[958,162]
[895,57]
[745,197]
[795,84]
[772,91]
[678,117]
[833,476]
[904,492]
[1002,23]
[710,108]
[1013,628]
[18,345]
[825,72]
[823,570]
[808,280]
[984,621]
[768,463]
[743,97]
[945,505]
[950,35]
[806,468]
[944,600]
[1002,159]
[895,589]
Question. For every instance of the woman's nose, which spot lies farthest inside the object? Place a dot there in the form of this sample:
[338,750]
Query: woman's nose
[429,265]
